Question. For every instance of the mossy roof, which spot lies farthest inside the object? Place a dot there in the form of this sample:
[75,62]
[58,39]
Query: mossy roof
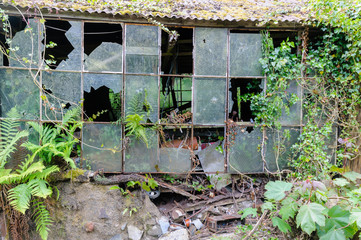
[223,10]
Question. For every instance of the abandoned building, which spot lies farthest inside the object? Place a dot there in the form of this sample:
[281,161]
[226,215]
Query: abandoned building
[116,60]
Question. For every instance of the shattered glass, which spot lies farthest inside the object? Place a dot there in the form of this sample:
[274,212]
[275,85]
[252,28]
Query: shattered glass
[278,147]
[209,101]
[294,116]
[26,43]
[18,89]
[174,160]
[245,52]
[62,91]
[141,92]
[112,81]
[142,158]
[73,62]
[102,147]
[107,56]
[244,154]
[210,51]
[142,49]
[211,159]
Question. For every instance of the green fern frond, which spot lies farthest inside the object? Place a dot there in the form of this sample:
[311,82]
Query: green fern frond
[46,172]
[135,128]
[71,116]
[135,105]
[10,146]
[42,219]
[19,197]
[40,188]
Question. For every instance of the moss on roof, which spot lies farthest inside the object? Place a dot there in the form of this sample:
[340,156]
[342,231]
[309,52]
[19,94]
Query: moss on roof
[231,10]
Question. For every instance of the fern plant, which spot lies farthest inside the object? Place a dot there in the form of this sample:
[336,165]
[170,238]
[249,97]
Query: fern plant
[57,140]
[10,135]
[30,180]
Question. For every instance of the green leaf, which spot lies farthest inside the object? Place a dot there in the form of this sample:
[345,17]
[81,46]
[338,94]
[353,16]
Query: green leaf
[356,216]
[352,176]
[341,182]
[281,224]
[19,197]
[114,188]
[309,215]
[288,210]
[276,190]
[145,186]
[334,235]
[248,211]
[152,183]
[267,206]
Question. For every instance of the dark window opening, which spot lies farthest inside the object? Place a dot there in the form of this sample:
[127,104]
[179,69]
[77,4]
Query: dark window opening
[240,92]
[176,99]
[177,56]
[208,136]
[279,37]
[178,138]
[102,105]
[55,33]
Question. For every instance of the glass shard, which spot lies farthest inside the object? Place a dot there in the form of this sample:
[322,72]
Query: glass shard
[107,57]
[210,51]
[102,147]
[209,101]
[245,52]
[18,89]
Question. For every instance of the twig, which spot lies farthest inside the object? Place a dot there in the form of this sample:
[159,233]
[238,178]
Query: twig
[257,225]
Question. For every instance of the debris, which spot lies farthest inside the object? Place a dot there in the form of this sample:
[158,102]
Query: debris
[216,222]
[177,190]
[155,231]
[134,233]
[176,235]
[164,224]
[198,224]
[177,215]
[89,226]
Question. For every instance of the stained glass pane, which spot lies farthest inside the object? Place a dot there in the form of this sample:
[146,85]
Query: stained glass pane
[245,50]
[142,49]
[62,91]
[141,92]
[18,89]
[102,147]
[244,154]
[141,157]
[278,147]
[26,41]
[209,101]
[210,51]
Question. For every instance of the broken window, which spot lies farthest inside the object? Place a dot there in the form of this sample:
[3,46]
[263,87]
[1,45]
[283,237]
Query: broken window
[245,52]
[142,157]
[177,55]
[241,90]
[142,49]
[24,42]
[141,97]
[210,150]
[244,150]
[103,47]
[210,51]
[64,44]
[102,97]
[61,91]
[18,89]
[176,98]
[209,100]
[278,147]
[175,150]
[102,147]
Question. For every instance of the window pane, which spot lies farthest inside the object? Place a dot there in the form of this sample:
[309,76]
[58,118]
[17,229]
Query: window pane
[209,101]
[245,50]
[210,51]
[62,92]
[26,40]
[142,49]
[102,97]
[278,148]
[244,154]
[294,115]
[141,92]
[142,158]
[103,47]
[102,147]
[18,89]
